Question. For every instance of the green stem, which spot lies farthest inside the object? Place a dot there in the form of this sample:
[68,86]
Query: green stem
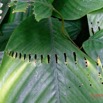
[63,27]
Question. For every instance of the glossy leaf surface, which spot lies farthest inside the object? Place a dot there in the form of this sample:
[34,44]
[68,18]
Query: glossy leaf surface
[94,47]
[95,21]
[75,9]
[41,66]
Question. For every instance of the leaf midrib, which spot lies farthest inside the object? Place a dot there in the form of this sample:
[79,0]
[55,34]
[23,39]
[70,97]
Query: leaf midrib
[53,63]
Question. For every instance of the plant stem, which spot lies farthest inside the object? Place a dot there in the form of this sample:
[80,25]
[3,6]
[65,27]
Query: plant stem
[63,27]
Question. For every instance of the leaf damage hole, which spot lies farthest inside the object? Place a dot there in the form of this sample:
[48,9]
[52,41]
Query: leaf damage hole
[16,55]
[12,54]
[41,58]
[92,30]
[35,57]
[81,85]
[29,57]
[91,23]
[90,85]
[48,58]
[99,74]
[86,63]
[24,56]
[98,22]
[98,62]
[98,26]
[75,58]
[102,83]
[20,55]
[65,57]
[56,58]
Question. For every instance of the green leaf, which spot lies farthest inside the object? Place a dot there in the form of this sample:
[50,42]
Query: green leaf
[12,22]
[95,21]
[21,7]
[73,28]
[42,9]
[94,47]
[12,3]
[6,31]
[41,66]
[75,9]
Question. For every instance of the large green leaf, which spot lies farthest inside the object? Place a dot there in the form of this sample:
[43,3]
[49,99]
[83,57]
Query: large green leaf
[42,9]
[94,47]
[41,66]
[95,21]
[73,28]
[6,30]
[12,22]
[75,9]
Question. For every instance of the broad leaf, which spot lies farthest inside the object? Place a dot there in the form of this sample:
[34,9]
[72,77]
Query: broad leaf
[95,21]
[42,9]
[21,7]
[41,66]
[6,31]
[73,28]
[94,47]
[75,9]
[7,28]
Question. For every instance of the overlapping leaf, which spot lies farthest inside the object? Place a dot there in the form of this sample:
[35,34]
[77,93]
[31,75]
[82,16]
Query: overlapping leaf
[95,21]
[94,47]
[73,28]
[41,8]
[75,9]
[6,30]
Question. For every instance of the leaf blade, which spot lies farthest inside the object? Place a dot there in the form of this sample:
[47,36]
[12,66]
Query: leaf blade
[40,80]
[72,10]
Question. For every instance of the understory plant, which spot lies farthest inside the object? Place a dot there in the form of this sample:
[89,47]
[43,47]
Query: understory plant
[53,51]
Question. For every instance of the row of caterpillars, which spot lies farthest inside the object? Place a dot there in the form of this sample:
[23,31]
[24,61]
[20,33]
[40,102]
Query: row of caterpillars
[34,57]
